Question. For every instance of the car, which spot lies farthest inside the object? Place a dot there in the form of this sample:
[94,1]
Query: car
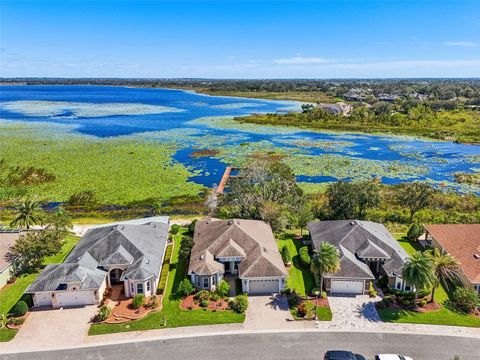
[342,355]
[391,357]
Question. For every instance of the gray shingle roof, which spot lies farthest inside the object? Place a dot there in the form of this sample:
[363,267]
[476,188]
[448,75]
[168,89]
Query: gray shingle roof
[141,247]
[250,239]
[359,239]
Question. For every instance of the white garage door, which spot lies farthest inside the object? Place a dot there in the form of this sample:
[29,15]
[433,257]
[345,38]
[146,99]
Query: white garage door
[75,298]
[347,287]
[43,299]
[262,286]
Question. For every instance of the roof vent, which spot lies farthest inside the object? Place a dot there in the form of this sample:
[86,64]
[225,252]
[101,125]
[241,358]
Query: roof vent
[264,249]
[147,262]
[230,222]
[352,223]
[122,227]
[201,257]
[476,256]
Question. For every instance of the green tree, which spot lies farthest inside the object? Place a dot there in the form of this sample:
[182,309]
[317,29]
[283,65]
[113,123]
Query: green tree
[465,300]
[303,214]
[223,288]
[324,260]
[28,213]
[419,272]
[349,200]
[414,232]
[415,196]
[29,251]
[446,269]
[59,221]
[286,257]
[185,288]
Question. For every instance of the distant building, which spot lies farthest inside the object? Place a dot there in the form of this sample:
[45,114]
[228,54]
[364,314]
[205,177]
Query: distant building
[387,97]
[339,108]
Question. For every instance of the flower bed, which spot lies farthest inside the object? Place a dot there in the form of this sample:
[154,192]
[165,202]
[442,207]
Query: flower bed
[124,311]
[15,323]
[190,303]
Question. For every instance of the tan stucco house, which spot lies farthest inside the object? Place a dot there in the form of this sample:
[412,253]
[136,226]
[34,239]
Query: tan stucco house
[235,248]
[462,241]
[126,255]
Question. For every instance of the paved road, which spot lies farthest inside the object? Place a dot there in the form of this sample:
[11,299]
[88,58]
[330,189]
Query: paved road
[306,345]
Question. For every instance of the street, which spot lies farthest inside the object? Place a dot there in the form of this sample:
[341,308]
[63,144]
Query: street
[298,345]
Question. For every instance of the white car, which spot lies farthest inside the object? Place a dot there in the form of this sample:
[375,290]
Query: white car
[391,357]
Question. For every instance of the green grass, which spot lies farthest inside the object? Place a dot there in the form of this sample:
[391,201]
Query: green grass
[165,269]
[120,170]
[299,279]
[171,312]
[444,316]
[408,246]
[11,294]
[324,314]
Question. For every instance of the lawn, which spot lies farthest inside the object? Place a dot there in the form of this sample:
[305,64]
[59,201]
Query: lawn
[10,294]
[408,246]
[443,316]
[171,312]
[299,279]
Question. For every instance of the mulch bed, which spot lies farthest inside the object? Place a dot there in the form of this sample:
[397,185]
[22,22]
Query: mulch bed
[321,302]
[124,312]
[17,327]
[189,303]
[429,307]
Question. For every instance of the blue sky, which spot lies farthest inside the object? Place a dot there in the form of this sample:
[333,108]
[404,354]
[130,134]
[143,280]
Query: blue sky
[244,39]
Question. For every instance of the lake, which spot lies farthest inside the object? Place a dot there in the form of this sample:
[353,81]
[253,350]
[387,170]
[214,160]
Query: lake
[192,122]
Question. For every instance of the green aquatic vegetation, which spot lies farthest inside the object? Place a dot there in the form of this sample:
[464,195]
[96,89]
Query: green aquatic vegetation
[324,145]
[313,188]
[344,167]
[117,170]
[446,185]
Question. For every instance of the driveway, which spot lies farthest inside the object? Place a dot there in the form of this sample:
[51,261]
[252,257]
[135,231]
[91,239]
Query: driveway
[352,312]
[54,328]
[267,312]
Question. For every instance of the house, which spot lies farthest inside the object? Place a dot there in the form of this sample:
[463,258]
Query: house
[462,241]
[339,108]
[236,249]
[7,239]
[367,251]
[126,256]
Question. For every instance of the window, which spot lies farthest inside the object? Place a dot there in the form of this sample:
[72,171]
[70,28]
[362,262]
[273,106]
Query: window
[205,282]
[148,285]
[399,286]
[131,288]
[139,288]
[408,288]
[198,281]
[214,280]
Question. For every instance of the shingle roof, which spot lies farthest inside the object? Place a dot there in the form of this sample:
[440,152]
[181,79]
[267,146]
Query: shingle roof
[7,239]
[462,241]
[359,239]
[251,239]
[141,247]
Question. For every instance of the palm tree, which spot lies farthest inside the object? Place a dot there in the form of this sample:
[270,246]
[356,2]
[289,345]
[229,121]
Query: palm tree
[27,213]
[419,272]
[325,260]
[445,267]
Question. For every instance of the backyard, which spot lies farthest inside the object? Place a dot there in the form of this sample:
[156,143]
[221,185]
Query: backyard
[10,294]
[171,315]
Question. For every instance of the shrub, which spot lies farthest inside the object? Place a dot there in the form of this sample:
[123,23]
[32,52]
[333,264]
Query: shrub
[422,303]
[323,294]
[215,296]
[185,288]
[302,310]
[204,303]
[414,232]
[293,300]
[185,248]
[381,305]
[304,256]
[154,303]
[465,300]
[82,198]
[286,291]
[20,308]
[15,321]
[387,300]
[406,302]
[383,282]
[138,301]
[371,290]
[239,304]
[102,314]
[223,288]
[174,229]
[202,295]
[423,293]
[286,257]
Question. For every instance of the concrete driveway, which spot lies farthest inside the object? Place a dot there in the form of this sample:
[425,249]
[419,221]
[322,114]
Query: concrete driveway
[53,328]
[267,312]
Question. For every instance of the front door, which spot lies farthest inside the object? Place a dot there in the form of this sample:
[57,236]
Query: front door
[115,275]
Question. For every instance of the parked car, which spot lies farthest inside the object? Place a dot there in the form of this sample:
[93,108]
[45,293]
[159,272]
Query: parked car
[391,357]
[342,355]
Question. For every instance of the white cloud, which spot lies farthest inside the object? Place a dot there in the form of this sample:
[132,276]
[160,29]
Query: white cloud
[467,44]
[299,60]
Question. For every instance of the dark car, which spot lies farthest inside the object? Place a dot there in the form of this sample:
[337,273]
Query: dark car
[342,355]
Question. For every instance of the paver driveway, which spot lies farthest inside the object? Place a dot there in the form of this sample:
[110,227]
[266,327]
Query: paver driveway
[54,328]
[267,312]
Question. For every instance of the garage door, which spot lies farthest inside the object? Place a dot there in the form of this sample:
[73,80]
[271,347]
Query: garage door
[262,286]
[347,287]
[43,299]
[75,298]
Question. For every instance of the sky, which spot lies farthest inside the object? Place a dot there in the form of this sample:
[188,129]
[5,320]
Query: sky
[240,39]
